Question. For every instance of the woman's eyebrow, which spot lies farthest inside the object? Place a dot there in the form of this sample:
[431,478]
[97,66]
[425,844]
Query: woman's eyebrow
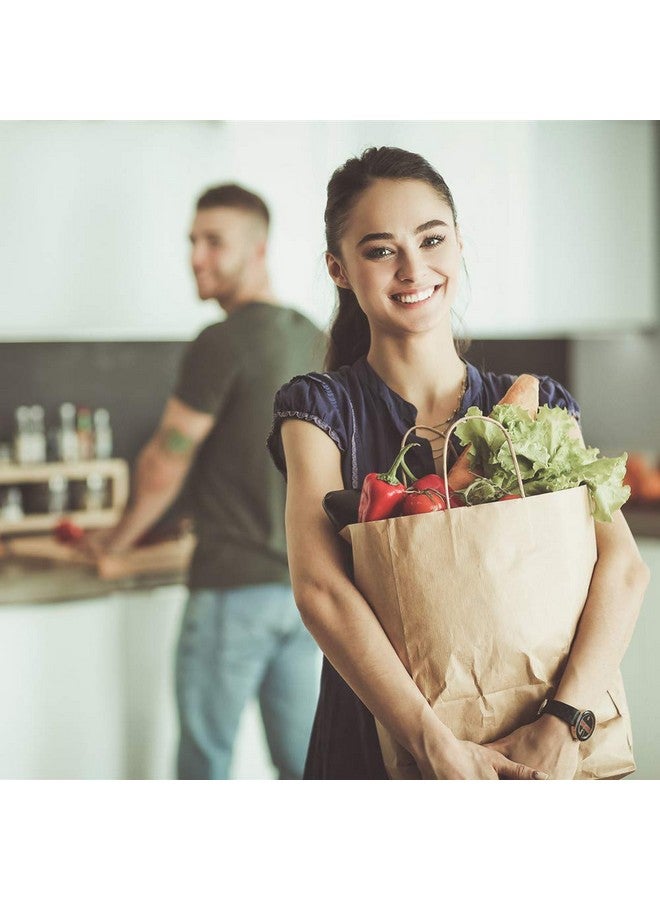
[375,236]
[387,236]
[432,223]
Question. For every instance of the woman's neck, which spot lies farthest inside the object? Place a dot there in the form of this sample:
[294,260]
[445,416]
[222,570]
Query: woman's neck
[424,369]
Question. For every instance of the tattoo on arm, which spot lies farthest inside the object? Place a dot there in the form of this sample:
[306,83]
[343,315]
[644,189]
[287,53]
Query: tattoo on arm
[174,441]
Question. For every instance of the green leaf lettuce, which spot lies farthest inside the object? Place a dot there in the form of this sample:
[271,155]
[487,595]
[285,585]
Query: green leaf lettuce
[549,458]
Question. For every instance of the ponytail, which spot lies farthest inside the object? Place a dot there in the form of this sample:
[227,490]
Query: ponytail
[350,337]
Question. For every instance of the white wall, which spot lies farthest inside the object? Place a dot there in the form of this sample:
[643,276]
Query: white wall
[558,219]
[594,192]
[94,219]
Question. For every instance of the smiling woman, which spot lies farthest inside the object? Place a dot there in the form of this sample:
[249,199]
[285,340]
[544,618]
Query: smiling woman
[394,250]
[415,262]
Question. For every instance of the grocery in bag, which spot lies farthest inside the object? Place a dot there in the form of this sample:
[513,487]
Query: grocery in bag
[481,602]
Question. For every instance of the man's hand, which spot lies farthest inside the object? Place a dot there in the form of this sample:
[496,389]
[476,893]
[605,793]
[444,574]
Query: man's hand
[97,543]
[545,744]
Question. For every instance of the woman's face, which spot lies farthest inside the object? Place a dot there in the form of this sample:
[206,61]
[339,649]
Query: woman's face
[401,256]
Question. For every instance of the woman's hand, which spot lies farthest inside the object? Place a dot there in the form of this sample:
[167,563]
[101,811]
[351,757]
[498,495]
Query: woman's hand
[545,744]
[456,759]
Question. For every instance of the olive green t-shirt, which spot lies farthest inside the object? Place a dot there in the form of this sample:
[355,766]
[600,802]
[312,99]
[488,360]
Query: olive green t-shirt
[233,370]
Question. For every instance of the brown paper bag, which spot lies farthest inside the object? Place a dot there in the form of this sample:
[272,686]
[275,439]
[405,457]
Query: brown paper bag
[481,604]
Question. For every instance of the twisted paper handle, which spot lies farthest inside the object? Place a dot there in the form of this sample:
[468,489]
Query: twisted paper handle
[447,435]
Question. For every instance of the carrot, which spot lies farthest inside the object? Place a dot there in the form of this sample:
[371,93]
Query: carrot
[523,392]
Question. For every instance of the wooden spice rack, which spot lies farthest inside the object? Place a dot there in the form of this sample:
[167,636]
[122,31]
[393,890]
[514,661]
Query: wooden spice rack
[115,470]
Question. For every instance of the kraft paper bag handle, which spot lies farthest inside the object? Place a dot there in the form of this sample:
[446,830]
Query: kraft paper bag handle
[447,435]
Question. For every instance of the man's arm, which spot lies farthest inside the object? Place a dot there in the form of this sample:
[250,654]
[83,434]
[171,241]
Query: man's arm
[160,472]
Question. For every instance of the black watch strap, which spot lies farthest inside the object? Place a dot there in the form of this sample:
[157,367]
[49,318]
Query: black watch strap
[582,722]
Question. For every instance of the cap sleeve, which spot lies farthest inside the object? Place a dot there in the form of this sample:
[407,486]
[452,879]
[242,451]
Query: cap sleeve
[312,399]
[552,393]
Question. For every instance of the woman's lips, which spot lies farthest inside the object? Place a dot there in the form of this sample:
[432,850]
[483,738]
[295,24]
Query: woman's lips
[415,298]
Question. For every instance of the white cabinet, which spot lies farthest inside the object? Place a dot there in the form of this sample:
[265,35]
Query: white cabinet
[641,672]
[62,690]
[87,691]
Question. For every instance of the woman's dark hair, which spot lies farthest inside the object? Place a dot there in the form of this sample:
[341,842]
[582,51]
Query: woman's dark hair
[349,331]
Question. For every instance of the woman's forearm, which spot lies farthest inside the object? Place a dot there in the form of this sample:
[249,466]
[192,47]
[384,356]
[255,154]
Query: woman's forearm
[352,639]
[618,584]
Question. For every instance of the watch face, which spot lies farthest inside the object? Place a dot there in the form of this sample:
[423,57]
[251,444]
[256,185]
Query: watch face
[584,725]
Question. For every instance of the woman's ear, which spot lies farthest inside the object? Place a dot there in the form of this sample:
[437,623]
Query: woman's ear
[336,271]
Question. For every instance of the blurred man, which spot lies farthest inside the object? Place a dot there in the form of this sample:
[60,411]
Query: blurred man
[241,634]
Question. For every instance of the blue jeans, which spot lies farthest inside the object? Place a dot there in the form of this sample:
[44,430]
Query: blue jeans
[235,644]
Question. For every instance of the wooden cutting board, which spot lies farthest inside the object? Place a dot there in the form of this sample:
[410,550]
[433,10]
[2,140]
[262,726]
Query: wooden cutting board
[172,556]
[45,546]
[166,557]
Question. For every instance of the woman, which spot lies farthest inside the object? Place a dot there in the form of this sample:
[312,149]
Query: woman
[394,250]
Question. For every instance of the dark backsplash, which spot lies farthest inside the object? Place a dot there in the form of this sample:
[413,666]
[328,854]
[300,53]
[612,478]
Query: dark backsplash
[537,357]
[132,380]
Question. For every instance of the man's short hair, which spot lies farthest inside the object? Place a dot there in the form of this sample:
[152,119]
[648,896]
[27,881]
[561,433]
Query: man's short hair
[235,196]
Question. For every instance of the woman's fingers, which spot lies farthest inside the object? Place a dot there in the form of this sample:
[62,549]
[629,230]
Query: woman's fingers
[508,769]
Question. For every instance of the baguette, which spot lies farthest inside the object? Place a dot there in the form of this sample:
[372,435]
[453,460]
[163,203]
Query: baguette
[523,392]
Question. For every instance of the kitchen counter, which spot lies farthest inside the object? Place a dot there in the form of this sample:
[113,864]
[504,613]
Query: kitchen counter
[48,581]
[44,581]
[42,570]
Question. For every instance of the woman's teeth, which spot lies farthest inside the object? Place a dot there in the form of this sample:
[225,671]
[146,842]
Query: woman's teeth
[413,298]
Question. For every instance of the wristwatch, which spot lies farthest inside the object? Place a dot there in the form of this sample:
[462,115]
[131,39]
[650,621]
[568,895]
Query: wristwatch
[582,722]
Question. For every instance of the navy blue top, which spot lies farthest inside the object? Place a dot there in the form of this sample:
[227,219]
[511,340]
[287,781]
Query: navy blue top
[366,419]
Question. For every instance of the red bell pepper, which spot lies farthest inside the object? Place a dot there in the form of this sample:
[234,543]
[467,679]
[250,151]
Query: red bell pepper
[437,483]
[422,502]
[382,491]
[429,483]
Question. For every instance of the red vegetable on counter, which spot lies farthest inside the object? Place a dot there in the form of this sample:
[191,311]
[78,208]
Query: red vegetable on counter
[67,532]
[382,491]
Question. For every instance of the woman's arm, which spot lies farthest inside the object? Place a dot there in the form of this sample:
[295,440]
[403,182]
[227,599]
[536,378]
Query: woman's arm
[618,584]
[348,632]
[616,592]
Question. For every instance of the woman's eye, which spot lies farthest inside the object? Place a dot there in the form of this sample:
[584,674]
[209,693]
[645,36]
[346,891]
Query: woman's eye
[433,240]
[378,253]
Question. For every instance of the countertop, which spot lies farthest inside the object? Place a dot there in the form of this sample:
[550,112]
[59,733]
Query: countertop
[44,581]
[26,581]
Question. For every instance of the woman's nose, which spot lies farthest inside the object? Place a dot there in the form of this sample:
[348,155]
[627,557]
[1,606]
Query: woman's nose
[411,267]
